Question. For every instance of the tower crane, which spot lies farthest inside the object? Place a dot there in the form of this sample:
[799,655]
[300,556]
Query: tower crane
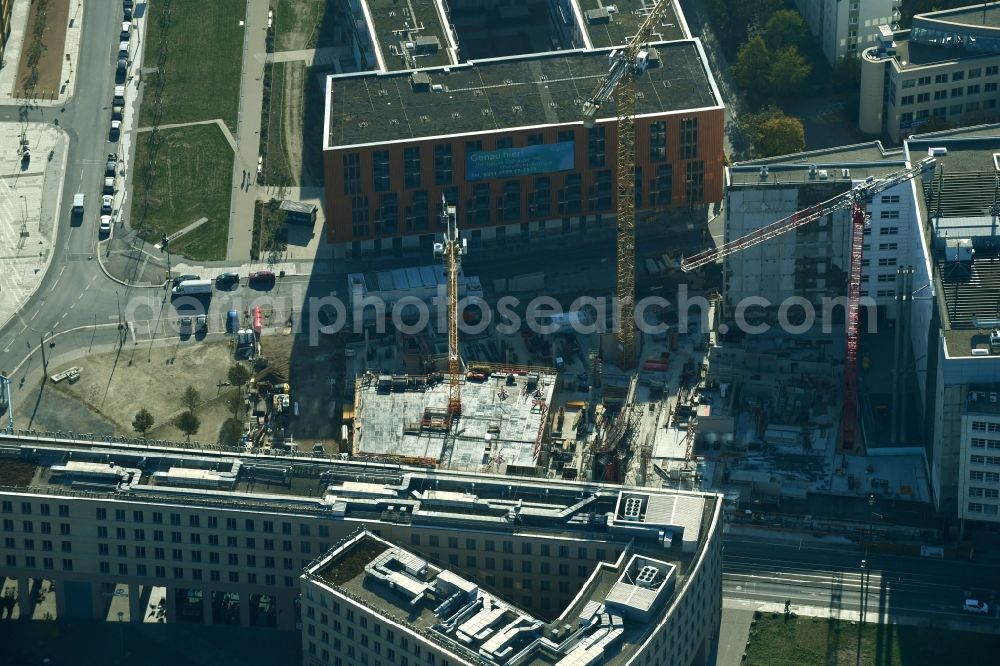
[619,83]
[857,200]
[450,251]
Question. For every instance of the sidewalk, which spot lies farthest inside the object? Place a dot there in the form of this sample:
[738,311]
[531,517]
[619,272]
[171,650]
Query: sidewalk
[241,210]
[29,211]
[8,73]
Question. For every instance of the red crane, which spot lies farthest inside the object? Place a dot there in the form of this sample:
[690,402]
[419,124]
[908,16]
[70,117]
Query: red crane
[857,199]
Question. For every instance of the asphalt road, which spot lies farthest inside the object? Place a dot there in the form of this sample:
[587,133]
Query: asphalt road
[831,577]
[74,288]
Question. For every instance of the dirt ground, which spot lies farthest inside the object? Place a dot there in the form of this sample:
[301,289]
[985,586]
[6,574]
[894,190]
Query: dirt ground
[115,387]
[304,24]
[309,376]
[46,77]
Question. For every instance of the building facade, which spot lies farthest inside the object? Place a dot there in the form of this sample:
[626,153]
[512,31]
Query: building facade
[227,538]
[979,466]
[945,70]
[847,27]
[812,262]
[502,138]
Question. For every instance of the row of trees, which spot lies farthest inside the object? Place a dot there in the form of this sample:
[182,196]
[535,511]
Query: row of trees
[189,423]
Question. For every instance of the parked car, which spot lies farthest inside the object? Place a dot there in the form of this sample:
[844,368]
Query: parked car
[226,279]
[261,277]
[126,30]
[105,227]
[976,606]
[109,185]
[127,4]
[185,326]
[107,203]
[232,321]
[128,13]
[116,130]
[201,324]
[111,165]
[185,278]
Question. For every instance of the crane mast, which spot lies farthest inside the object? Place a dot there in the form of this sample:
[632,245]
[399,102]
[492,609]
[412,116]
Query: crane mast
[451,251]
[619,84]
[856,199]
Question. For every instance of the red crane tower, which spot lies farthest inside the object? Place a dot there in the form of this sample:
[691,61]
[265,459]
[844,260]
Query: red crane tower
[857,200]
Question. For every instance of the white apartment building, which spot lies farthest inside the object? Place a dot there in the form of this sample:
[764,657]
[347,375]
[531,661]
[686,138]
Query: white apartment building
[979,465]
[847,27]
[227,537]
[812,261]
[946,68]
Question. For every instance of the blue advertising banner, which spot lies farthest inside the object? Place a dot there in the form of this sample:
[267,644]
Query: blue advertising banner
[507,162]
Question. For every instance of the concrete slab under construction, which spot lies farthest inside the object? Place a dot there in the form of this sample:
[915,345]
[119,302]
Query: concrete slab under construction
[501,427]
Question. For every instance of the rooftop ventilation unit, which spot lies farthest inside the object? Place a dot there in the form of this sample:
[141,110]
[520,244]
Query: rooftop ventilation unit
[812,171]
[763,172]
[647,576]
[937,152]
[845,173]
[633,508]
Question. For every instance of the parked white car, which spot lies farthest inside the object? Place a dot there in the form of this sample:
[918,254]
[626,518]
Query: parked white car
[976,606]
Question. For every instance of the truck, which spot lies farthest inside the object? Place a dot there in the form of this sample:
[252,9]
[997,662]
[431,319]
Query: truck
[190,287]
[78,199]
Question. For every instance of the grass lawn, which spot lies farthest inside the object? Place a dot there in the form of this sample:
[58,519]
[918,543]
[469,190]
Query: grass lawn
[806,641]
[191,179]
[202,65]
[303,24]
[277,170]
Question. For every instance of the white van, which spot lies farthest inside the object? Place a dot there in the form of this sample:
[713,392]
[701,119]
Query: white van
[190,287]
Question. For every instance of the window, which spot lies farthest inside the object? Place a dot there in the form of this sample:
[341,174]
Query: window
[957,76]
[535,139]
[972,90]
[924,81]
[906,117]
[975,507]
[661,187]
[923,97]
[888,231]
[359,216]
[940,94]
[695,181]
[352,173]
[689,138]
[442,164]
[411,167]
[906,100]
[957,92]
[992,70]
[890,198]
[595,147]
[102,514]
[889,215]
[989,87]
[971,106]
[909,83]
[975,73]
[887,261]
[658,141]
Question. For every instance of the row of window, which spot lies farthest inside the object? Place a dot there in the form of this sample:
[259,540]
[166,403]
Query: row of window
[483,208]
[177,573]
[983,443]
[985,460]
[444,166]
[955,109]
[28,527]
[988,493]
[979,475]
[177,555]
[985,426]
[46,545]
[212,522]
[48,563]
[985,509]
[138,534]
[973,73]
[923,98]
[7,506]
[490,546]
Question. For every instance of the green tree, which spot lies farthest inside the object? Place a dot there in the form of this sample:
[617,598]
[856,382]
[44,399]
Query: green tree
[238,375]
[785,28]
[235,403]
[143,421]
[847,73]
[753,64]
[190,398]
[787,72]
[780,135]
[230,433]
[187,423]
